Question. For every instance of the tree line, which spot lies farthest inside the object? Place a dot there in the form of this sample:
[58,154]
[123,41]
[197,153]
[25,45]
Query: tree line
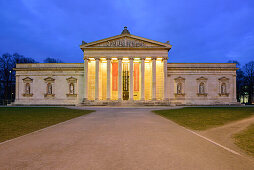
[7,74]
[244,82]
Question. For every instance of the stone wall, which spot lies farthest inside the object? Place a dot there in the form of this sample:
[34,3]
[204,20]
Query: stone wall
[39,75]
[211,75]
[189,76]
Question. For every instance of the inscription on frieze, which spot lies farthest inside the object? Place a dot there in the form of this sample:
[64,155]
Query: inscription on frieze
[123,43]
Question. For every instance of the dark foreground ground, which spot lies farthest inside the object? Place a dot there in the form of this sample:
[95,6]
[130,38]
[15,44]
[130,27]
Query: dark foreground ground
[18,121]
[115,138]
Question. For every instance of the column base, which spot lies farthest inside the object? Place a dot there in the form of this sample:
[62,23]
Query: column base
[153,99]
[120,99]
[131,100]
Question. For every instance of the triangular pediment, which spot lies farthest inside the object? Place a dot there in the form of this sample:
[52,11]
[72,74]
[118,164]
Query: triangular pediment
[201,78]
[179,79]
[49,79]
[223,79]
[71,80]
[125,41]
[27,79]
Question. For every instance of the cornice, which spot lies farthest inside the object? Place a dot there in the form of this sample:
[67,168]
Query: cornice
[50,69]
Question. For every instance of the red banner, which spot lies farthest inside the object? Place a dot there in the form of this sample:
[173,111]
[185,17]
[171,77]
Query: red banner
[114,76]
[136,76]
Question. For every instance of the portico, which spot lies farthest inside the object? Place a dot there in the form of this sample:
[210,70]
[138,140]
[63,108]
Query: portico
[125,67]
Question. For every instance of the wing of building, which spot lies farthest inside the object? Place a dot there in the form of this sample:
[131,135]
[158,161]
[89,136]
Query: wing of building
[125,69]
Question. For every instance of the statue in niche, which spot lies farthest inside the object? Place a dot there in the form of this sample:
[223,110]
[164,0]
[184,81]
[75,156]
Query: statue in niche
[49,88]
[72,88]
[201,88]
[179,88]
[223,88]
[27,88]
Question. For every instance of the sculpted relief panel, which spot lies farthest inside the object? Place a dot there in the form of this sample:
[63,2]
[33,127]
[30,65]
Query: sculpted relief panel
[124,42]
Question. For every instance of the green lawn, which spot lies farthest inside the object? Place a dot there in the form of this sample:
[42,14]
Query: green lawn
[202,118]
[17,121]
[245,140]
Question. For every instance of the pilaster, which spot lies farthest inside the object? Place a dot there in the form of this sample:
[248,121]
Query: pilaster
[165,61]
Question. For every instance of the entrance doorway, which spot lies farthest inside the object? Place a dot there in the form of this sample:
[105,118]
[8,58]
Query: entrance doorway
[126,81]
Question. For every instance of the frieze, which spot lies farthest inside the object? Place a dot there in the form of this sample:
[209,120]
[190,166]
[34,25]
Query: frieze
[123,43]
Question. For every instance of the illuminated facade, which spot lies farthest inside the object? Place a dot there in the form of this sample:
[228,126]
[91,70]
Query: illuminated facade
[125,69]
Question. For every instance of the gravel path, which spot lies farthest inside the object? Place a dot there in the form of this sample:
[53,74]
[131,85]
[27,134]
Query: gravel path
[115,138]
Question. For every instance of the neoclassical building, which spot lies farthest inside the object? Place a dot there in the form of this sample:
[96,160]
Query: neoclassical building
[125,69]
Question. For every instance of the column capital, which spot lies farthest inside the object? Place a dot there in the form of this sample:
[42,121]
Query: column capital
[154,58]
[131,58]
[97,58]
[164,58]
[86,58]
[120,58]
[108,58]
[142,58]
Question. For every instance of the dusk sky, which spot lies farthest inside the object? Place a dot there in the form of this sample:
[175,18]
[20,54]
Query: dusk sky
[203,31]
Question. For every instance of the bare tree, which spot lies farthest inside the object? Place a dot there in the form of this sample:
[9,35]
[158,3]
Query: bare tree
[7,74]
[249,75]
[6,64]
[240,80]
[52,60]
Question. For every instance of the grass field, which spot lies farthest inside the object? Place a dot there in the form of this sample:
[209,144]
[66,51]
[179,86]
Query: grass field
[202,118]
[17,121]
[245,140]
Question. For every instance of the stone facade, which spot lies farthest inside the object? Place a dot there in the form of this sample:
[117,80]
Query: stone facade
[125,69]
[61,77]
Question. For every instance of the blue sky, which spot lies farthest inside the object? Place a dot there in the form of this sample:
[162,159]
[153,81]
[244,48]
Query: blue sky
[208,31]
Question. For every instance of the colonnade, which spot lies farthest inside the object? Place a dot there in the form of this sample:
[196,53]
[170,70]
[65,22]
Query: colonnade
[120,91]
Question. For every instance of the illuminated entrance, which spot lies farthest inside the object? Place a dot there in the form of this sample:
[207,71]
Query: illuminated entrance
[125,67]
[126,83]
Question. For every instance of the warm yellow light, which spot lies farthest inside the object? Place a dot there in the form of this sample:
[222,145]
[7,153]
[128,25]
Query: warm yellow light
[91,59]
[147,61]
[103,61]
[135,61]
[148,58]
[103,58]
[125,58]
[125,61]
[159,58]
[114,58]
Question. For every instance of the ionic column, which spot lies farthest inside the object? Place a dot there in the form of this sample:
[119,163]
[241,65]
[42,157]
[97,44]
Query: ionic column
[85,78]
[165,61]
[108,77]
[120,92]
[143,78]
[97,65]
[131,78]
[154,78]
